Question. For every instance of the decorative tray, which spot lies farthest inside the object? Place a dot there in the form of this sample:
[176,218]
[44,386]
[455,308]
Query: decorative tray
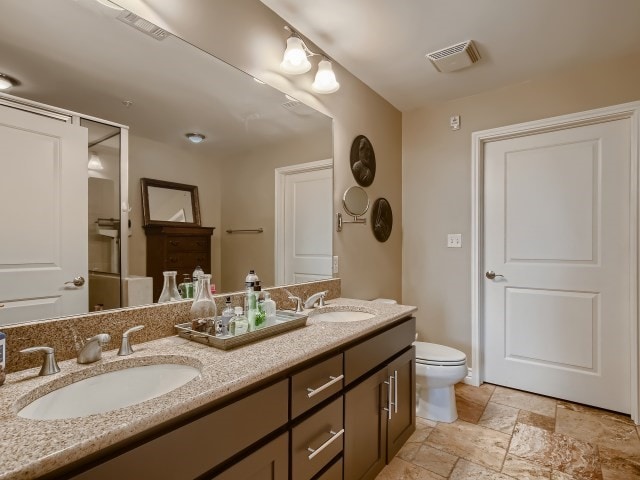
[285,321]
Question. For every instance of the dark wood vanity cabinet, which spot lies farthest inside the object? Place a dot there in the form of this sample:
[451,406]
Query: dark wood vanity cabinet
[341,416]
[179,248]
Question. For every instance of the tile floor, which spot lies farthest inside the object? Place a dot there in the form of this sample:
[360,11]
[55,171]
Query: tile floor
[504,434]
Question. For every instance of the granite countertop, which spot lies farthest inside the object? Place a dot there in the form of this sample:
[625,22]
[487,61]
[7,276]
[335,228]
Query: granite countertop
[34,447]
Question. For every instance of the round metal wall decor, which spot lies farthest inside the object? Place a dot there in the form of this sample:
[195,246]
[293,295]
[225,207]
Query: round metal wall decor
[381,219]
[363,161]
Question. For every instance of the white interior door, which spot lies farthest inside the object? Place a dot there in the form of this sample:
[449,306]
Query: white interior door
[43,206]
[305,226]
[557,228]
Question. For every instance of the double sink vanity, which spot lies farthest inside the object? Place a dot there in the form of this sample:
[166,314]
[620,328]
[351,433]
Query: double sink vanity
[334,399]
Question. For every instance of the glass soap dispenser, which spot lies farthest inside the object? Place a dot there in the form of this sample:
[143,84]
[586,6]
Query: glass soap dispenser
[203,309]
[169,289]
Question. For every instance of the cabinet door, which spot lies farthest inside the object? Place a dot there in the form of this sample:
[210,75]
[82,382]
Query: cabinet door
[402,375]
[270,462]
[366,427]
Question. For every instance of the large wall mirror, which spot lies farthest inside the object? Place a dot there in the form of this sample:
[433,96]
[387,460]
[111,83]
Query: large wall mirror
[86,56]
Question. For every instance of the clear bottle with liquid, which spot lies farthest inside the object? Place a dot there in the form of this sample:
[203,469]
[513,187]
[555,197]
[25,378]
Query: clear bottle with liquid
[197,272]
[239,323]
[186,287]
[203,309]
[169,288]
[227,314]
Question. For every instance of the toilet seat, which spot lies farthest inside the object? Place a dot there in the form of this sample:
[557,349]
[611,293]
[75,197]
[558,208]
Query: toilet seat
[434,354]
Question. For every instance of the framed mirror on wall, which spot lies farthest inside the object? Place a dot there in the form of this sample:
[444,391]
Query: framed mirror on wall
[249,130]
[169,203]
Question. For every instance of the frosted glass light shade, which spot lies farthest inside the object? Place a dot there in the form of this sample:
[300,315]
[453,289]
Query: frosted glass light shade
[5,83]
[295,59]
[325,81]
[94,162]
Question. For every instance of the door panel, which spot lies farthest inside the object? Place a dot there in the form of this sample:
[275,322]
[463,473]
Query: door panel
[403,418]
[43,203]
[556,226]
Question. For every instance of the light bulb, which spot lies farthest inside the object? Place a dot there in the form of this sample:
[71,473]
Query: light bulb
[295,59]
[325,81]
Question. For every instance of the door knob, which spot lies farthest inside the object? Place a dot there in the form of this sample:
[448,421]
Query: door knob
[76,282]
[491,275]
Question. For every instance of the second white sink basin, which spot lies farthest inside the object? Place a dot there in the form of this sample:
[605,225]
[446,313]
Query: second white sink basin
[109,391]
[341,316]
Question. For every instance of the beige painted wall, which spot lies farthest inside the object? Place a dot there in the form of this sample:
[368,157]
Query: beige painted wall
[437,181]
[248,201]
[245,33]
[151,159]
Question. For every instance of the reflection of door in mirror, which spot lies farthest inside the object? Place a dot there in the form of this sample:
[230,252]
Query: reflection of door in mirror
[44,242]
[104,215]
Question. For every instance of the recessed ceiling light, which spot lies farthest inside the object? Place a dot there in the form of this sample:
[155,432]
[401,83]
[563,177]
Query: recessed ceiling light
[7,82]
[195,137]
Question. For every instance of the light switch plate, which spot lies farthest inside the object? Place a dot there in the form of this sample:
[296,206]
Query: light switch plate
[454,240]
[335,264]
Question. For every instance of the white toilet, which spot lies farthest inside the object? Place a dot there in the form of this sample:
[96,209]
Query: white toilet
[438,369]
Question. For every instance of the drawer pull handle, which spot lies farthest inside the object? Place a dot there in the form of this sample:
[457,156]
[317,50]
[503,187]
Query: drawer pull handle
[334,435]
[312,392]
[174,243]
[389,402]
[395,390]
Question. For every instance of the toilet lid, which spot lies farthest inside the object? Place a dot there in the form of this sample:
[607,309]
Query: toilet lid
[434,354]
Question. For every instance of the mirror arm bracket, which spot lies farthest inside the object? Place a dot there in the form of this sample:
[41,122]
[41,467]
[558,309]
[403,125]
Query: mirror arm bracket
[340,222]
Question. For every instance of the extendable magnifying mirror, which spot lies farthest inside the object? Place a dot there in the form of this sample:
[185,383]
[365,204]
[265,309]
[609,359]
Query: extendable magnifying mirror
[356,203]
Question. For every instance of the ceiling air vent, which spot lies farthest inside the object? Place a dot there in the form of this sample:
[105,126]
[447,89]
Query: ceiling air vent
[455,57]
[297,107]
[143,25]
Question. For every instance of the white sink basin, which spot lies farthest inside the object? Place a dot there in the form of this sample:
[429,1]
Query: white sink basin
[341,316]
[109,391]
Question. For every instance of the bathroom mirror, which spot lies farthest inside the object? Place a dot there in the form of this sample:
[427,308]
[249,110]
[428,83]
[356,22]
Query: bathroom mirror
[169,203]
[355,201]
[86,57]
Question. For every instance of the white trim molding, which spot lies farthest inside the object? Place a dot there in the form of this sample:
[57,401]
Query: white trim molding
[629,111]
[281,175]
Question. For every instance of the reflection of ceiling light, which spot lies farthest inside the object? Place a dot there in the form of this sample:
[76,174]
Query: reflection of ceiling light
[7,82]
[94,162]
[109,4]
[295,61]
[195,137]
[325,81]
[257,80]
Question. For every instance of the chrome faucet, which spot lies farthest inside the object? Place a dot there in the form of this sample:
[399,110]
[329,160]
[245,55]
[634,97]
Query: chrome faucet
[316,297]
[125,346]
[92,350]
[49,366]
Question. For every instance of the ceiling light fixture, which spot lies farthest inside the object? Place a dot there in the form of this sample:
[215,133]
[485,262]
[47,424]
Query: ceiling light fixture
[94,162]
[295,61]
[7,82]
[108,3]
[195,137]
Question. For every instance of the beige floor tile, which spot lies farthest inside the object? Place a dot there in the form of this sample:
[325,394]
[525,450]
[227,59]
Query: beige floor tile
[400,470]
[557,475]
[423,429]
[613,416]
[473,394]
[524,401]
[435,460]
[524,470]
[465,470]
[560,452]
[537,420]
[499,417]
[616,466]
[468,410]
[600,428]
[476,444]
[408,451]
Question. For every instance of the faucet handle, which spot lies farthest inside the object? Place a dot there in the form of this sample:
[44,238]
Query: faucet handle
[125,346]
[101,338]
[298,301]
[49,366]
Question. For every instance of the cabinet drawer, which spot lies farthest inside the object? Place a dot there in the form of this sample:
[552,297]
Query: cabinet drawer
[191,450]
[323,433]
[367,355]
[187,244]
[315,384]
[333,473]
[187,260]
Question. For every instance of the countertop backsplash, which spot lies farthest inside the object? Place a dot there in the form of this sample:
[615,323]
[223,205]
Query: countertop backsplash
[66,334]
